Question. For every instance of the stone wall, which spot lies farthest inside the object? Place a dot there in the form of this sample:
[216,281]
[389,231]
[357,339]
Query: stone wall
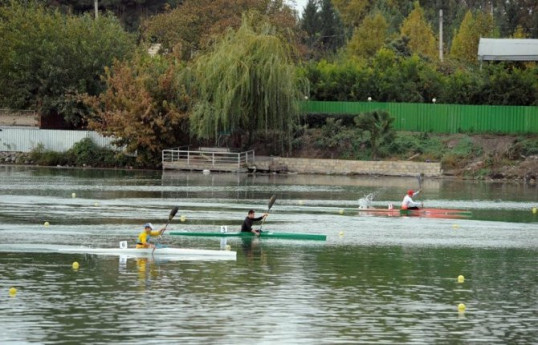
[348,167]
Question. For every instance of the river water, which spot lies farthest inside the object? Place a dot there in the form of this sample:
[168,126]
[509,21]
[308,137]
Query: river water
[376,280]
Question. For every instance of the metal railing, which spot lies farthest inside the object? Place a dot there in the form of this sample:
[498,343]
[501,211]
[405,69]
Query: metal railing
[207,158]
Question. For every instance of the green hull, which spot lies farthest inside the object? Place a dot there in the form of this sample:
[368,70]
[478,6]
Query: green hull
[264,234]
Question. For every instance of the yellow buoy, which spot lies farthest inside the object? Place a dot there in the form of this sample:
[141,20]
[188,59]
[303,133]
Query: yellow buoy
[73,195]
[341,234]
[461,307]
[96,204]
[183,218]
[301,202]
[46,224]
[228,247]
[455,226]
[534,210]
[341,211]
[12,291]
[461,279]
[75,265]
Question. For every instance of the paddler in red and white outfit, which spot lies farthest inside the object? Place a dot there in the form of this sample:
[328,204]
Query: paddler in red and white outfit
[408,203]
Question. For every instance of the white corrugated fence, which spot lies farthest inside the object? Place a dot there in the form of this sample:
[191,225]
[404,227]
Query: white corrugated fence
[24,139]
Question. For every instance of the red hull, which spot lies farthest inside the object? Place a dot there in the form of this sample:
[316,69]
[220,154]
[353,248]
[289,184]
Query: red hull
[423,212]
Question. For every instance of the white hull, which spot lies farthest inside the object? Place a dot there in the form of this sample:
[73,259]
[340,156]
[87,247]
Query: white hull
[159,253]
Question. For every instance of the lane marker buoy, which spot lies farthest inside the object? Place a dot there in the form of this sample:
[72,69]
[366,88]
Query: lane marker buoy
[12,291]
[46,224]
[183,219]
[461,279]
[73,195]
[461,307]
[75,265]
[341,211]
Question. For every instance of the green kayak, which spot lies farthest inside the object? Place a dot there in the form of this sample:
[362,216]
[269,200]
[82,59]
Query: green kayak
[264,234]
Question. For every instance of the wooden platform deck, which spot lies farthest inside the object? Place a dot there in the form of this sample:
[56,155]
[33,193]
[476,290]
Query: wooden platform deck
[212,159]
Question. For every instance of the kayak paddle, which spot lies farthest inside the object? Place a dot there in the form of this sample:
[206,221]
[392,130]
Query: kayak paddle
[271,202]
[170,217]
[420,178]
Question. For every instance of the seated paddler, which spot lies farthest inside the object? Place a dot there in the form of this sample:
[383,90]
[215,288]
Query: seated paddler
[408,203]
[249,221]
[144,238]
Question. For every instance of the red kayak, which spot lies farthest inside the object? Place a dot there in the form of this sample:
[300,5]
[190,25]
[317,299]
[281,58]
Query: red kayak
[422,212]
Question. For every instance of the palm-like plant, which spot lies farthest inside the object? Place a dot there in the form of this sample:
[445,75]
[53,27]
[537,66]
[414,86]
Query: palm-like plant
[379,125]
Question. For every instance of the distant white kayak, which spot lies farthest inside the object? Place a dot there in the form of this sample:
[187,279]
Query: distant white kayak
[160,253]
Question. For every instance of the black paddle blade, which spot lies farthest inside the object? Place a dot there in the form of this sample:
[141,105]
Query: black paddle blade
[173,213]
[271,202]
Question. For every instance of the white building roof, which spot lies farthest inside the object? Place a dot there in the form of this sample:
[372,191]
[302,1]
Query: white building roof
[508,49]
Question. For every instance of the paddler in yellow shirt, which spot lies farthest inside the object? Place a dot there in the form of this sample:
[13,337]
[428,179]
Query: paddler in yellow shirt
[144,237]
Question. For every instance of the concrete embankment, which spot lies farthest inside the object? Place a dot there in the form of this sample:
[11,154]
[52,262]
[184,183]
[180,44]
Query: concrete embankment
[346,167]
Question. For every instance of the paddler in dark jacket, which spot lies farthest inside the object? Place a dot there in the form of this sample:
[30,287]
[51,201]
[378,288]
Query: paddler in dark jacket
[249,220]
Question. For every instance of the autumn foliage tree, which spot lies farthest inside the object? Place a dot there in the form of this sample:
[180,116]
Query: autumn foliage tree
[369,37]
[352,11]
[145,106]
[420,33]
[465,43]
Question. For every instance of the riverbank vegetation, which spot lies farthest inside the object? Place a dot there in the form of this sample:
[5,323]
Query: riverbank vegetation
[236,71]
[85,153]
[474,156]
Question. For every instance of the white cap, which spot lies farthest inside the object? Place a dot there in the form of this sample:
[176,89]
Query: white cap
[148,225]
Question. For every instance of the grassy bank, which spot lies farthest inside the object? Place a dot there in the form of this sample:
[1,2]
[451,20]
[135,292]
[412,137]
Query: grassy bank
[473,156]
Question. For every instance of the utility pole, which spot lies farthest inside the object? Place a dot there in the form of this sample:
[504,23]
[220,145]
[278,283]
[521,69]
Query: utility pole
[441,35]
[95,6]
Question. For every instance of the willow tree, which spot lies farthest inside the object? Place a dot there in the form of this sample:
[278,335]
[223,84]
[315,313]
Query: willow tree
[248,84]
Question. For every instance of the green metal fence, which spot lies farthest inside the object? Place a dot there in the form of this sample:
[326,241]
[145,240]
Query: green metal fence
[440,118]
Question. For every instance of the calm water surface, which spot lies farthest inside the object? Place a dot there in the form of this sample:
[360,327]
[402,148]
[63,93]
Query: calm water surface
[377,279]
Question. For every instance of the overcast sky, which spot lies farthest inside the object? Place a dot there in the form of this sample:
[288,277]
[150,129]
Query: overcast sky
[299,5]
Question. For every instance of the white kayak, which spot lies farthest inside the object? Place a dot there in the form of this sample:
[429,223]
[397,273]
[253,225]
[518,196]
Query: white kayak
[159,253]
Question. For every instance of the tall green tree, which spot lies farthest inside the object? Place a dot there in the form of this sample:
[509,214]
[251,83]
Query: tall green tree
[311,24]
[369,37]
[421,38]
[513,13]
[129,12]
[332,34]
[352,11]
[47,58]
[248,83]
